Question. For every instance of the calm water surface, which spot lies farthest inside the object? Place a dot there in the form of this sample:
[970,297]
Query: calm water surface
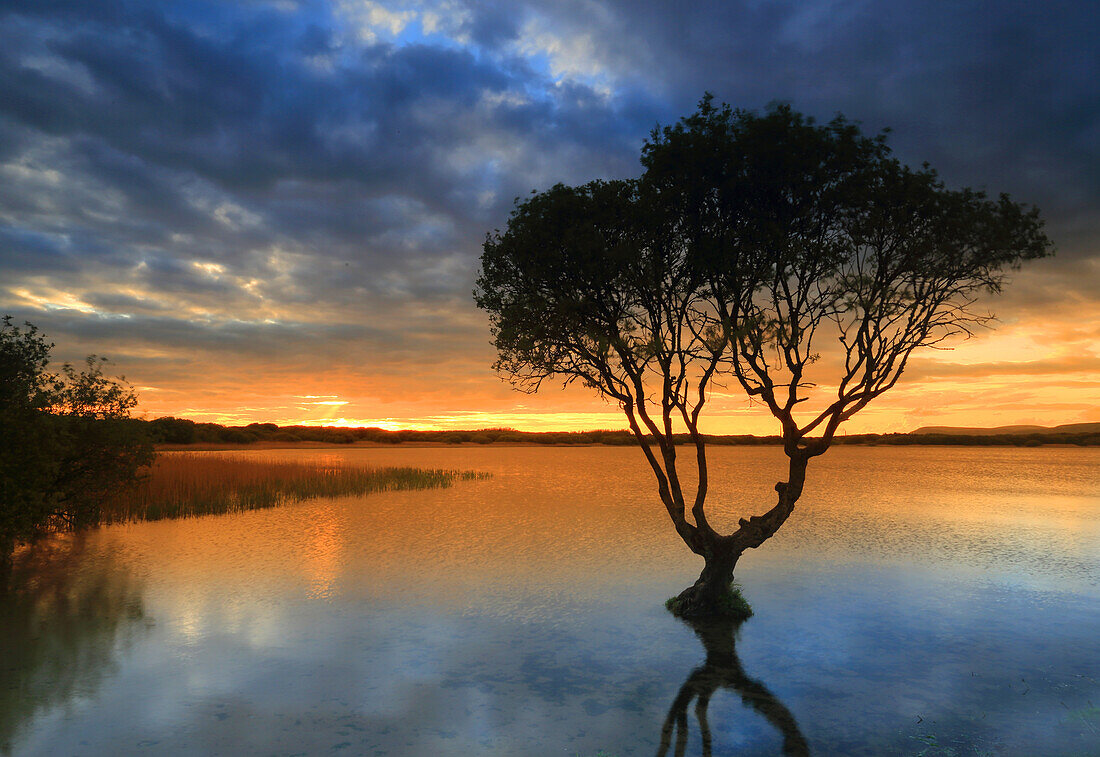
[935,601]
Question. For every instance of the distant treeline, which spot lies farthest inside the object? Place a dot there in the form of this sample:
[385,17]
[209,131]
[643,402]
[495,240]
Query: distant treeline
[184,431]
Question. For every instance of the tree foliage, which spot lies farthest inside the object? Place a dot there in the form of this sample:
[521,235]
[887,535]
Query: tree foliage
[67,439]
[750,242]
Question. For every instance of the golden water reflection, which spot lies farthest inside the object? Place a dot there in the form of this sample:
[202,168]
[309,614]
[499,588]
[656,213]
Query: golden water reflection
[523,614]
[549,517]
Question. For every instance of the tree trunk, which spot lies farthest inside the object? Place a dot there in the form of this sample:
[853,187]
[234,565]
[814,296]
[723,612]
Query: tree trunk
[713,594]
[7,554]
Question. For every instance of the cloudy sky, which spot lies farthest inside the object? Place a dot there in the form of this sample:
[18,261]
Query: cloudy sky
[272,211]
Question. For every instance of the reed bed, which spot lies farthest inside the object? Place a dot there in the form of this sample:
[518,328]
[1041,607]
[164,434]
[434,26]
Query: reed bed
[190,485]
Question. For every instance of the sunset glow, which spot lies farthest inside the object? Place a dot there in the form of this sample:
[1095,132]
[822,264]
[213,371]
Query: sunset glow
[288,230]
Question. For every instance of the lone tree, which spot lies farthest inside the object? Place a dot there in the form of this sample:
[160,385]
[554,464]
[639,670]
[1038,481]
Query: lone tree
[748,242]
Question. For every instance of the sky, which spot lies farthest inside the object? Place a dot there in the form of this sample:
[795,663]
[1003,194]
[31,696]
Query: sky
[273,211]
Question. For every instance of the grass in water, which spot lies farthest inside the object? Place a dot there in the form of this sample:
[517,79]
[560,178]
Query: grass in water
[731,605]
[188,485]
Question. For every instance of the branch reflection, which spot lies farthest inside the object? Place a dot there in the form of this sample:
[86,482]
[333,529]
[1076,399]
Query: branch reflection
[722,670]
[62,617]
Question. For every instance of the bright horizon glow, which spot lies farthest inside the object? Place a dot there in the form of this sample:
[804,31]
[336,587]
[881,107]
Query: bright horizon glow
[1023,373]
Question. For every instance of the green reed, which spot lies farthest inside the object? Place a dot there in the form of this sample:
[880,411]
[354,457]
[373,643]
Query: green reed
[189,485]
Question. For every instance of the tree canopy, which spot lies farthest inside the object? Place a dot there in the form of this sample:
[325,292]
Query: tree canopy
[67,439]
[749,242]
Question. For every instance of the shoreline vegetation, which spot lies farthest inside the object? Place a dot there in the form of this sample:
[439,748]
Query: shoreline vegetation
[184,434]
[188,485]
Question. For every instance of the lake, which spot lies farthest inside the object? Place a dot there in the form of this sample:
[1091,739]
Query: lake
[925,601]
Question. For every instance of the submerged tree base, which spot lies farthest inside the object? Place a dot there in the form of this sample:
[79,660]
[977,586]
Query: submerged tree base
[694,604]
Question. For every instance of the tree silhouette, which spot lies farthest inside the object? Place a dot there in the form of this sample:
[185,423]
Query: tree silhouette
[67,442]
[748,241]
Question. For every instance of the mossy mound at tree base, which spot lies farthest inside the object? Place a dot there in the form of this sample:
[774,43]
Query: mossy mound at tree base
[731,605]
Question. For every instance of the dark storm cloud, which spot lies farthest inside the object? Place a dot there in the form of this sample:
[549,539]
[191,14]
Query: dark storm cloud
[242,140]
[994,94]
[321,174]
[247,114]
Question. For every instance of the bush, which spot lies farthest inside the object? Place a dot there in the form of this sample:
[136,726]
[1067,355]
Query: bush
[237,436]
[68,440]
[173,430]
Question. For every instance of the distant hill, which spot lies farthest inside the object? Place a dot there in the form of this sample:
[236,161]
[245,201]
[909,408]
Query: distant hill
[181,433]
[1066,428]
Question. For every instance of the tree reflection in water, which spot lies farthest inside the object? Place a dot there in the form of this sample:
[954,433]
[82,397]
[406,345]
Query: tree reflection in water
[722,670]
[62,617]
